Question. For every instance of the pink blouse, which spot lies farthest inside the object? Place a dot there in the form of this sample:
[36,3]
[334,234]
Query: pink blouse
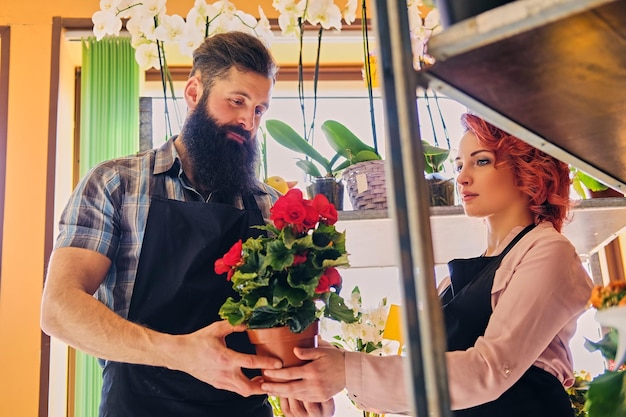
[538,293]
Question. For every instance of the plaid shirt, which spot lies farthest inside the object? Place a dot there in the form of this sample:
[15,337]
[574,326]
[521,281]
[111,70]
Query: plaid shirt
[108,210]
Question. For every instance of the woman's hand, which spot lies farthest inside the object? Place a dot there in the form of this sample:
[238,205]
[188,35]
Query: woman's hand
[297,408]
[317,381]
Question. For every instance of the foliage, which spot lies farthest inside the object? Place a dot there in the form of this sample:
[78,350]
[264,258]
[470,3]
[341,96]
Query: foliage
[349,148]
[365,334]
[607,392]
[289,277]
[434,157]
[577,393]
[581,180]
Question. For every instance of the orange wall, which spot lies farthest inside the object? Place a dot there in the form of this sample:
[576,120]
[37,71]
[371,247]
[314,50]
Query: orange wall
[23,260]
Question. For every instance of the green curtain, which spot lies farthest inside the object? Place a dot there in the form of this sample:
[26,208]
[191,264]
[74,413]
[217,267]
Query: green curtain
[109,125]
[109,128]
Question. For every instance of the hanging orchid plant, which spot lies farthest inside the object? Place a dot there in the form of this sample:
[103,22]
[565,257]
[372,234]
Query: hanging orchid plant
[151,30]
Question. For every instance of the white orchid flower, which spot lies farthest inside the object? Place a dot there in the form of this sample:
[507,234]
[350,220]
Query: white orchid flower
[195,18]
[147,56]
[127,9]
[264,28]
[324,12]
[225,6]
[152,7]
[288,23]
[171,28]
[349,12]
[191,39]
[109,5]
[105,23]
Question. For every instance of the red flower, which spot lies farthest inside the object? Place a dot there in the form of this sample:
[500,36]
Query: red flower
[230,261]
[299,258]
[291,209]
[326,209]
[328,280]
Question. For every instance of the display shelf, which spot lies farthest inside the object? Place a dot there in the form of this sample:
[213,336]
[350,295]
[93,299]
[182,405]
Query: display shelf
[371,232]
[552,72]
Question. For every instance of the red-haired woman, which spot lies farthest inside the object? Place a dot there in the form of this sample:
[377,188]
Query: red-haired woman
[509,313]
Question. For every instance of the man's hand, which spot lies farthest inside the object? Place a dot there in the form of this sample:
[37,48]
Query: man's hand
[204,355]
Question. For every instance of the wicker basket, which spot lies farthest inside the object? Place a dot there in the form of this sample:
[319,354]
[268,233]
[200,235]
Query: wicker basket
[365,184]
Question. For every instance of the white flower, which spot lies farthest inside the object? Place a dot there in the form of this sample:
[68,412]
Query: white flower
[147,56]
[153,7]
[105,23]
[191,39]
[264,28]
[170,29]
[109,5]
[324,12]
[349,12]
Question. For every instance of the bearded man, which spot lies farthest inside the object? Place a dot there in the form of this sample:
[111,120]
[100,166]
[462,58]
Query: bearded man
[131,277]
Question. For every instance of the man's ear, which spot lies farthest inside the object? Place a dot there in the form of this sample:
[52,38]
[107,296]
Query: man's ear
[193,92]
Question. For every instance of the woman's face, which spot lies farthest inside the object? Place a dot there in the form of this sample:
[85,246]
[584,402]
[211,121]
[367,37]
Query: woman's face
[485,190]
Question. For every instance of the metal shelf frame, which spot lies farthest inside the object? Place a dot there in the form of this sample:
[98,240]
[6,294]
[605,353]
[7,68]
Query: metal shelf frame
[552,72]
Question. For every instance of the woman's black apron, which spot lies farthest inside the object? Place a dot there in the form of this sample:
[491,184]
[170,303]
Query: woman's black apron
[176,291]
[467,309]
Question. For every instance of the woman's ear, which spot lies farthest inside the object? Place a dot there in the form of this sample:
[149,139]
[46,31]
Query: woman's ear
[193,92]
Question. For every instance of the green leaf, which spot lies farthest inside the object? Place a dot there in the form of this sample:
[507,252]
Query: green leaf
[590,182]
[607,395]
[234,311]
[309,168]
[290,139]
[344,142]
[607,345]
[336,309]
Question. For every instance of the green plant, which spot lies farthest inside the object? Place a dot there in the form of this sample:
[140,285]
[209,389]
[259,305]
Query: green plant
[580,180]
[434,157]
[348,147]
[289,277]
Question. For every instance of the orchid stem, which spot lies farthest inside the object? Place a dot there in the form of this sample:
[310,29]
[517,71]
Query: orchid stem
[368,72]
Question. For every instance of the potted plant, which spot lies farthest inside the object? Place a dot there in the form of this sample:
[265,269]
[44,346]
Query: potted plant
[348,147]
[287,279]
[605,396]
[441,188]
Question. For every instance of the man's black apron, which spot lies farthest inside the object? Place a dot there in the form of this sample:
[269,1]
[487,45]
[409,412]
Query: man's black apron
[467,309]
[176,291]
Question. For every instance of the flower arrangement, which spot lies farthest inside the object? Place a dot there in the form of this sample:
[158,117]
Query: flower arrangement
[289,277]
[606,396]
[151,30]
[367,333]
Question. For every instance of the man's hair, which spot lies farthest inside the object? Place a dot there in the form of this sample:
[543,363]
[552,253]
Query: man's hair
[543,178]
[219,53]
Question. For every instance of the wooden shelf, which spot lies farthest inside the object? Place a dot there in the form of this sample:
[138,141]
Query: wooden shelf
[593,224]
[552,72]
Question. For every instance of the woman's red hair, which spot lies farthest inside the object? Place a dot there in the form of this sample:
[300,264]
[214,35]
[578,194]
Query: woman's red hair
[542,177]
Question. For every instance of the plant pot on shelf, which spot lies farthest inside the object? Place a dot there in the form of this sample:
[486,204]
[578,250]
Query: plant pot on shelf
[441,189]
[278,342]
[366,185]
[330,187]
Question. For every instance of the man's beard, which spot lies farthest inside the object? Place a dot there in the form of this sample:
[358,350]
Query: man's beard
[221,167]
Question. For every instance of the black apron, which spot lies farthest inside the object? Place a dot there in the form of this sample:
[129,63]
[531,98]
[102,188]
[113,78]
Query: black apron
[176,291]
[467,309]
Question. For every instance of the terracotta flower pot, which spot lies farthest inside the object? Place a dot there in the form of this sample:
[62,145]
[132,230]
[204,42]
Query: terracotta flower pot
[279,342]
